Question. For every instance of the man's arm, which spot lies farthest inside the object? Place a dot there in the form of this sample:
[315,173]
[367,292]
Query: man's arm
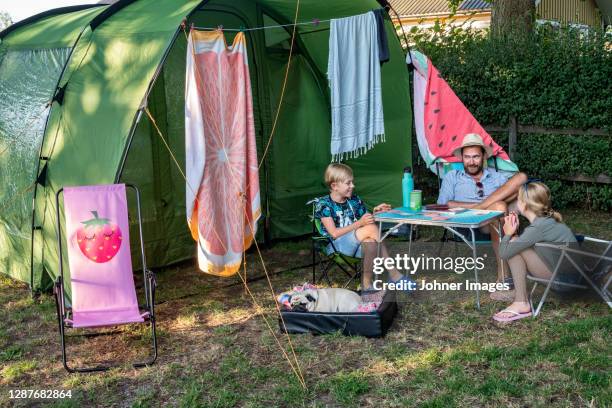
[462,204]
[508,192]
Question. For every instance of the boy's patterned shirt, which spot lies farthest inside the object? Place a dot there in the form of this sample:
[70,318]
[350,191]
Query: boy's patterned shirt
[343,214]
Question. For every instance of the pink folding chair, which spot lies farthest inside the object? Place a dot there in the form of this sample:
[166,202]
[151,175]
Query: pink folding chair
[100,262]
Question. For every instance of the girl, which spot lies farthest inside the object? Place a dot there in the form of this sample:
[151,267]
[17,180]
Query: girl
[521,253]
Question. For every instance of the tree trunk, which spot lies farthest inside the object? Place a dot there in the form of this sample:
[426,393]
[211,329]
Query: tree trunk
[512,16]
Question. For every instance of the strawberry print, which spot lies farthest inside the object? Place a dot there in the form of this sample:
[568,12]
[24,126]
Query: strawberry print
[99,239]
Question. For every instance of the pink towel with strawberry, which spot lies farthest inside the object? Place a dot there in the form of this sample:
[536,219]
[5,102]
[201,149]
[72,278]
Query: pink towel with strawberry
[98,238]
[221,159]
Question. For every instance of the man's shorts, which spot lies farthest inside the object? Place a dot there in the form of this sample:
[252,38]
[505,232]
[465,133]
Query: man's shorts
[348,244]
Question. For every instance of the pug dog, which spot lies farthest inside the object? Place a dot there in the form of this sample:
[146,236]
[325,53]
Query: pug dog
[326,300]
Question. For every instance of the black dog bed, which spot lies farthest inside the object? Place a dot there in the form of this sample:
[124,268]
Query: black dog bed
[374,324]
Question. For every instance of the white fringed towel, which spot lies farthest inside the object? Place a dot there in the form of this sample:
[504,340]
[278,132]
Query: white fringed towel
[353,71]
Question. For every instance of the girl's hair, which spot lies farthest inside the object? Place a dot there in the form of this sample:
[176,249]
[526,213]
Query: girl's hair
[536,197]
[337,172]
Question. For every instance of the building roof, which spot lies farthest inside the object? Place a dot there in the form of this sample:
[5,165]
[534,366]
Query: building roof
[474,5]
[428,7]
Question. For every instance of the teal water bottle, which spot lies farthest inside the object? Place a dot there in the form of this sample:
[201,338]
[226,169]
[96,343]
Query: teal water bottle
[407,187]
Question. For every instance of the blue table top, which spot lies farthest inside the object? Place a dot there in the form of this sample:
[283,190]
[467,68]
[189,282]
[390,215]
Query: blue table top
[465,218]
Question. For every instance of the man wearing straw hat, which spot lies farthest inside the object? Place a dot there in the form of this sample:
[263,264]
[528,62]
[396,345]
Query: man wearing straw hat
[478,187]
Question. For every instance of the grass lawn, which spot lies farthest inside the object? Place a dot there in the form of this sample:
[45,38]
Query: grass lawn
[216,350]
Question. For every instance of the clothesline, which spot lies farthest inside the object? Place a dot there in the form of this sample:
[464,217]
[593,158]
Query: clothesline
[314,22]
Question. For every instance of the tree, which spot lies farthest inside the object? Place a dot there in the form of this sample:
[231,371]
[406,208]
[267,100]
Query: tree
[5,20]
[507,15]
[512,16]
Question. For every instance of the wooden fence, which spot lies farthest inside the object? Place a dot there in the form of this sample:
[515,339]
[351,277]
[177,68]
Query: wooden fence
[514,128]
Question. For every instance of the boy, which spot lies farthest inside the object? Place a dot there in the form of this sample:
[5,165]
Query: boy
[345,219]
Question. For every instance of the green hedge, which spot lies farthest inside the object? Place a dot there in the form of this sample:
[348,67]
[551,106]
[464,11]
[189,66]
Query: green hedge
[549,156]
[556,78]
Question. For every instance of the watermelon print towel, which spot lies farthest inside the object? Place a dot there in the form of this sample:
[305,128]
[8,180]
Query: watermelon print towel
[223,203]
[442,120]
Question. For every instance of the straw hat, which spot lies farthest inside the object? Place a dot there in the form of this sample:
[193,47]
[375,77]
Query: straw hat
[473,139]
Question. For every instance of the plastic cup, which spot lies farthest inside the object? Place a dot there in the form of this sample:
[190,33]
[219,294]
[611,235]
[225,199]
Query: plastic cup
[416,198]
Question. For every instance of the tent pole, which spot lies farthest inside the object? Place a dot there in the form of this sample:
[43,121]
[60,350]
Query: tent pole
[53,12]
[387,6]
[145,98]
[319,77]
[129,143]
[41,157]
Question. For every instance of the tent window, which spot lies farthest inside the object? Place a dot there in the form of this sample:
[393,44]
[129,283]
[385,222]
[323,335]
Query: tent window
[26,91]
[27,82]
[277,39]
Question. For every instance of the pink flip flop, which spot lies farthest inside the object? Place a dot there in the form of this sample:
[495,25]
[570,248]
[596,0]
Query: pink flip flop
[516,316]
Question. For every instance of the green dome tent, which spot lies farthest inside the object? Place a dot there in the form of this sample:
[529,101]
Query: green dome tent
[102,65]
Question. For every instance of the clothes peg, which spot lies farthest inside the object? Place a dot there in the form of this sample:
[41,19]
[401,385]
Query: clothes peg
[315,22]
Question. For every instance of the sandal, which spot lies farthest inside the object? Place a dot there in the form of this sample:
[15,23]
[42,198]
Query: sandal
[515,315]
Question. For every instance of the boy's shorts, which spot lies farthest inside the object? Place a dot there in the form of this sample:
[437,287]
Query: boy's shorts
[348,244]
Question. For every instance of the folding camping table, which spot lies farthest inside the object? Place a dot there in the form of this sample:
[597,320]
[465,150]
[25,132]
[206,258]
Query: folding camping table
[469,219]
